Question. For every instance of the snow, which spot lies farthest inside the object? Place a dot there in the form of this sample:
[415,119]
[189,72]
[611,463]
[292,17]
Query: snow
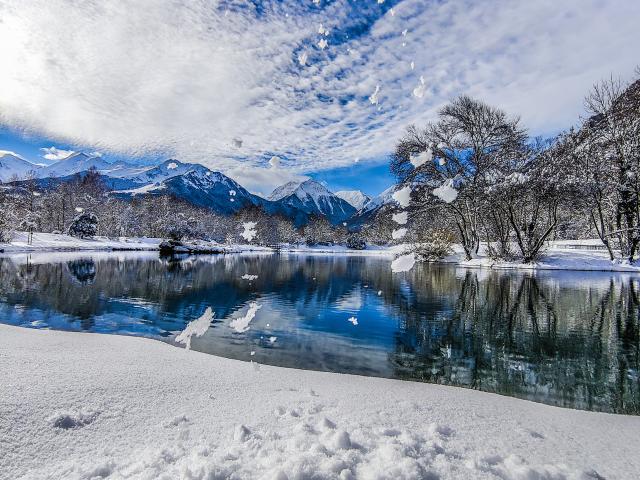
[172,166]
[374,96]
[403,263]
[353,320]
[249,277]
[446,192]
[197,327]
[241,324]
[399,233]
[302,58]
[142,409]
[403,196]
[249,231]
[323,44]
[421,158]
[400,218]
[355,198]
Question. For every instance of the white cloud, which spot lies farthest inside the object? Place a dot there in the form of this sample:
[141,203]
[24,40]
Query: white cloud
[202,85]
[55,154]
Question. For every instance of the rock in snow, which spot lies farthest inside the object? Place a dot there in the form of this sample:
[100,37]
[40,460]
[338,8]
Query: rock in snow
[236,422]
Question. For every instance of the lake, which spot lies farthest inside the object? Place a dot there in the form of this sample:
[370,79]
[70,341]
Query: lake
[563,338]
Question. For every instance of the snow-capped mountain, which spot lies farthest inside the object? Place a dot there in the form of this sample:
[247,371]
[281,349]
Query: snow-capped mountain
[197,185]
[355,198]
[313,198]
[373,206]
[155,174]
[13,166]
[74,163]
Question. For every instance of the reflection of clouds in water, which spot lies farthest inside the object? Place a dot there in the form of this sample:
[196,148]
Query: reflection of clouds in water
[352,302]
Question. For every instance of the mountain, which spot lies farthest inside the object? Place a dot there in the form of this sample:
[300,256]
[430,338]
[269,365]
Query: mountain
[312,198]
[74,163]
[199,186]
[167,169]
[355,198]
[373,207]
[13,165]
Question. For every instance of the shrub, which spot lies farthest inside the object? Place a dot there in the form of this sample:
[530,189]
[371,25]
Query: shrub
[436,245]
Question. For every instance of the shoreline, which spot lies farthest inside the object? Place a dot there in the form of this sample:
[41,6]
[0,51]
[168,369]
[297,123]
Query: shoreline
[560,256]
[68,399]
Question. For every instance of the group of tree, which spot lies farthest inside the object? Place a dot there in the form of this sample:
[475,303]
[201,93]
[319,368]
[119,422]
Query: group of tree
[475,173]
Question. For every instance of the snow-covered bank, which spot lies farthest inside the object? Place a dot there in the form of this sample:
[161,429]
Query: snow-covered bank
[98,406]
[52,242]
[560,255]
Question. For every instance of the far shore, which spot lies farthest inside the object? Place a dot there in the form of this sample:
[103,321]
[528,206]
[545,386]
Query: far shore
[580,255]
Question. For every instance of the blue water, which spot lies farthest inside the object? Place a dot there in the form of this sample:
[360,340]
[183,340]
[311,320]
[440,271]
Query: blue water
[563,338]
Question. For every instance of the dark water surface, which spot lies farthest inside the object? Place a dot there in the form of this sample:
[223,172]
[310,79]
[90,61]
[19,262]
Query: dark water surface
[562,338]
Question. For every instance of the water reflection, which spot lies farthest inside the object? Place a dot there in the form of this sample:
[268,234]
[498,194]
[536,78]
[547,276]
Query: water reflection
[564,338]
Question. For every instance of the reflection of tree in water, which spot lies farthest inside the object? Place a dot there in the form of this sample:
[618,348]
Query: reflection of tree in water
[517,335]
[83,270]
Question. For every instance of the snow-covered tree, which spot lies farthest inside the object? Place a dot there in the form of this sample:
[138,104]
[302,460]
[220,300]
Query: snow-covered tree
[84,225]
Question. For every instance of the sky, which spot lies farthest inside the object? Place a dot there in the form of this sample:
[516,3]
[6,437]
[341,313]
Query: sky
[273,91]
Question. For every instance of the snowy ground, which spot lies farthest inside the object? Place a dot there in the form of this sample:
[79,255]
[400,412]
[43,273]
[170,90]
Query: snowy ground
[559,255]
[82,406]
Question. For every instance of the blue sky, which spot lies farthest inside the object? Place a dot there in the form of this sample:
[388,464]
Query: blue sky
[232,84]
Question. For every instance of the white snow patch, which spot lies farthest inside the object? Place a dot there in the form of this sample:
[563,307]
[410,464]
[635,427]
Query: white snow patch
[403,263]
[172,166]
[403,196]
[249,232]
[399,233]
[241,324]
[400,218]
[197,327]
[446,192]
[374,96]
[353,320]
[420,158]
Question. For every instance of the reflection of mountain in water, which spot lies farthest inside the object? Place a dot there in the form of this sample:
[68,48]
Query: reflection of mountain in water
[569,339]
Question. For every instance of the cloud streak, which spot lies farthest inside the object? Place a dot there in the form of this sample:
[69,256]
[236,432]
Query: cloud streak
[222,83]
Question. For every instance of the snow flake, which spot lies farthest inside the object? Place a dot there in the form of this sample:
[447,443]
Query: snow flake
[172,166]
[249,231]
[392,12]
[323,44]
[249,277]
[418,92]
[274,162]
[302,58]
[400,218]
[353,320]
[420,158]
[241,324]
[197,327]
[403,196]
[446,192]
[403,263]
[374,96]
[232,193]
[404,32]
[79,209]
[398,234]
[272,340]
[413,65]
